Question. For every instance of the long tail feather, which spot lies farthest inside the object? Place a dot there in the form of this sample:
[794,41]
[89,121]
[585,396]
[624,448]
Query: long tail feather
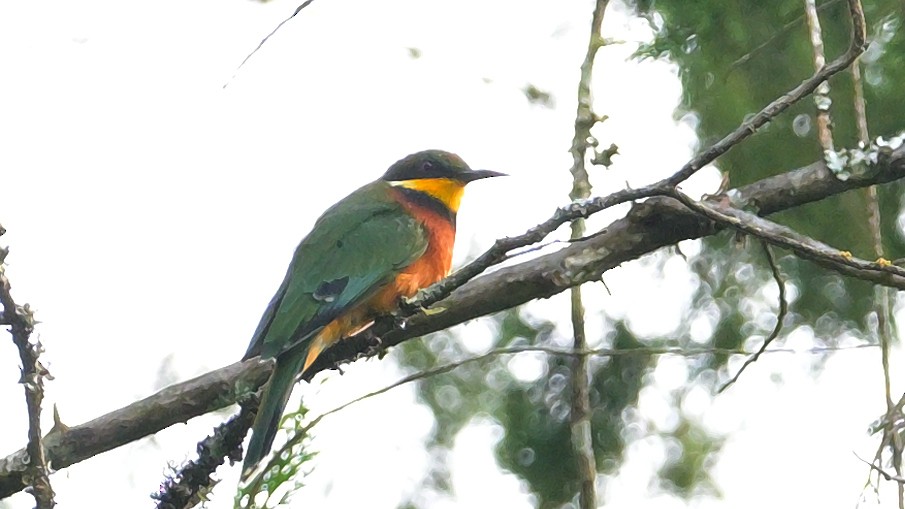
[273,402]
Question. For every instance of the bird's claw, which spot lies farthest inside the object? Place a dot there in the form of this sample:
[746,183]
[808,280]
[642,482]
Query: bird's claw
[414,303]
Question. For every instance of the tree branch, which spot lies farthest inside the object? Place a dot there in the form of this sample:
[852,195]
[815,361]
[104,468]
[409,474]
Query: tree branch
[886,475]
[655,223]
[884,296]
[822,94]
[548,350]
[780,317]
[21,323]
[580,418]
[267,37]
[189,484]
[172,405]
[880,271]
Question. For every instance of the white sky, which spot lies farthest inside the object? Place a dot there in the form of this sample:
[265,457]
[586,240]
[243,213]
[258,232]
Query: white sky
[151,214]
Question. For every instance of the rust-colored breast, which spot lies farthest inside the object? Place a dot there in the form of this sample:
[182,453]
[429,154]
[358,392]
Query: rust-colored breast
[433,265]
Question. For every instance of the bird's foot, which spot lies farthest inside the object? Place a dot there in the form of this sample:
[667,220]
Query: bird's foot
[411,303]
[375,343]
[414,304]
[372,334]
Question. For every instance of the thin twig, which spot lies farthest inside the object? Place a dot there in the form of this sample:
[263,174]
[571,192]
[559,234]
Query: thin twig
[805,247]
[822,94]
[540,246]
[21,325]
[298,9]
[891,435]
[580,419]
[785,29]
[886,475]
[885,318]
[780,316]
[860,104]
[515,350]
[498,252]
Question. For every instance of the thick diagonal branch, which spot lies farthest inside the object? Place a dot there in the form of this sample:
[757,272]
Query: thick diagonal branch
[650,225]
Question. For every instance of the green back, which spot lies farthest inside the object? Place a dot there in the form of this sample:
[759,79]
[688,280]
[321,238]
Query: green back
[356,247]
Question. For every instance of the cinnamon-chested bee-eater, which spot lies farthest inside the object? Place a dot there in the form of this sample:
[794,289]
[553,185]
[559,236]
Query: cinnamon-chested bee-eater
[383,242]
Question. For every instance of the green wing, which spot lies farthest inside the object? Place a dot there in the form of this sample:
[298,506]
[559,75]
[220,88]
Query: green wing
[356,247]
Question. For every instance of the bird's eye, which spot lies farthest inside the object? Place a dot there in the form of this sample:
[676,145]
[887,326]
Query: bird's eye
[427,166]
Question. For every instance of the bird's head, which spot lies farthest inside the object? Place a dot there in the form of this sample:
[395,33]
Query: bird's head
[435,164]
[435,174]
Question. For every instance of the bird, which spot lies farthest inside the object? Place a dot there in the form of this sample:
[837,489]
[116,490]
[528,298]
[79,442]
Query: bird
[381,243]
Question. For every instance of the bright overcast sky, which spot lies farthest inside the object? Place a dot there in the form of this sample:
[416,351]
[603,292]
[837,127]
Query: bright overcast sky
[151,215]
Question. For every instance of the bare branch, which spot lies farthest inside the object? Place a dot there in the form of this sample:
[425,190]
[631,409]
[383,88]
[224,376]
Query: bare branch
[175,404]
[515,350]
[788,27]
[498,252]
[656,223]
[21,321]
[580,419]
[188,486]
[860,104]
[780,316]
[822,94]
[805,247]
[267,37]
[886,475]
[885,317]
[595,352]
[891,435]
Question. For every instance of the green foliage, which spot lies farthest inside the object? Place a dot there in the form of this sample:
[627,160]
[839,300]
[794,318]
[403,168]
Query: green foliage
[534,414]
[537,444]
[538,96]
[686,470]
[736,57]
[470,390]
[274,485]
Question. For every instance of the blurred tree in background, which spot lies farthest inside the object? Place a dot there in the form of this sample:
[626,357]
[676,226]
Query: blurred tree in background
[733,58]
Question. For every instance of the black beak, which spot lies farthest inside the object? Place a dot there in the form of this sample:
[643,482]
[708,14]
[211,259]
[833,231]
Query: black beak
[473,175]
